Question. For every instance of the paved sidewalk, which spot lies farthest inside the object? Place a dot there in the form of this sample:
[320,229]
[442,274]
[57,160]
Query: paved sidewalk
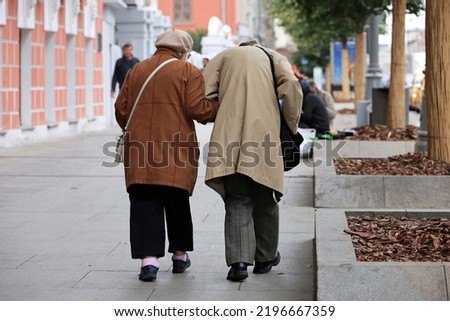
[64,232]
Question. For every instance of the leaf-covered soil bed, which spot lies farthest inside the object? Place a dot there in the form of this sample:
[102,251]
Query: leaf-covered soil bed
[407,164]
[390,239]
[382,132]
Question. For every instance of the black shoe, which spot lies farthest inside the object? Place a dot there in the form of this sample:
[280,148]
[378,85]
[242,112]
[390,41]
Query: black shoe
[237,272]
[180,266]
[148,273]
[265,267]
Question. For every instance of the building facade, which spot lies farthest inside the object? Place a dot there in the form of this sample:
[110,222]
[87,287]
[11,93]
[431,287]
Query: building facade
[51,67]
[57,58]
[191,15]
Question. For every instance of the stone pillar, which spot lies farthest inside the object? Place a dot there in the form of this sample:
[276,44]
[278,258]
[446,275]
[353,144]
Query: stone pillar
[2,23]
[217,39]
[374,72]
[140,27]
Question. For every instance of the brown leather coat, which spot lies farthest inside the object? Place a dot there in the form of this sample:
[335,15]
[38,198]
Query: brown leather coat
[161,147]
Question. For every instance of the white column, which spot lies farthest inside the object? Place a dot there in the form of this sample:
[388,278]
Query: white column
[2,12]
[50,59]
[107,42]
[25,21]
[2,23]
[25,79]
[89,78]
[90,14]
[72,9]
[51,8]
[1,78]
[70,79]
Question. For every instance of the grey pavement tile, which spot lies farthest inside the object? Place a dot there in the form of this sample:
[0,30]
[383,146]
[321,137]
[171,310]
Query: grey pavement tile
[380,149]
[64,214]
[24,279]
[296,219]
[378,281]
[295,237]
[417,191]
[300,200]
[335,251]
[209,243]
[303,250]
[166,280]
[211,222]
[11,261]
[349,191]
[211,295]
[330,224]
[274,281]
[305,168]
[75,294]
[298,265]
[211,262]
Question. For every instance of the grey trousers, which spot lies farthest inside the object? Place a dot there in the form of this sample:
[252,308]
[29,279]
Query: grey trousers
[251,221]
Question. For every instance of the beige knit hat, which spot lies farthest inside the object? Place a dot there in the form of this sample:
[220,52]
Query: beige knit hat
[177,40]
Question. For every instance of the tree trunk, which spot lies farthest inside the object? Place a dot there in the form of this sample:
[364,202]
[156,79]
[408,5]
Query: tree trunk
[396,101]
[437,78]
[345,74]
[358,80]
[328,77]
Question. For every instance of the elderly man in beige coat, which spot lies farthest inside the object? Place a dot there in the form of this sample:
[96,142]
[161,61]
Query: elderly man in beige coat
[245,165]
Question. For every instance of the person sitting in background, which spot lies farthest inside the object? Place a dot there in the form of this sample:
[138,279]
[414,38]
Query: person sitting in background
[314,113]
[326,98]
[205,61]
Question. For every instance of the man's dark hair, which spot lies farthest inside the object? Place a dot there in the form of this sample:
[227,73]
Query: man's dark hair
[127,45]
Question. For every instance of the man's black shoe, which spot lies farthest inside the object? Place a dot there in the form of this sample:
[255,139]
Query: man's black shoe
[237,272]
[265,267]
[179,266]
[148,273]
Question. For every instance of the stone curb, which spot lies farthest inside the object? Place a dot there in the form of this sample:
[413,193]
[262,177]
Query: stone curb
[341,277]
[370,191]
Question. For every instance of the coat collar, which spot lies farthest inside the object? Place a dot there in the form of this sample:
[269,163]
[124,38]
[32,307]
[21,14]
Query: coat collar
[166,51]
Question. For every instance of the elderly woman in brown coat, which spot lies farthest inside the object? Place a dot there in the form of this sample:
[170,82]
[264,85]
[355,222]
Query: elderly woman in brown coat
[161,151]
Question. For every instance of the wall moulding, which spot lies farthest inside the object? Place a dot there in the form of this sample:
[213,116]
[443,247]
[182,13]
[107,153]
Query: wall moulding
[51,8]
[72,9]
[26,14]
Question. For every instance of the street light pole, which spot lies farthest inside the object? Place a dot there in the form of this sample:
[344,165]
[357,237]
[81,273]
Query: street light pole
[422,133]
[374,72]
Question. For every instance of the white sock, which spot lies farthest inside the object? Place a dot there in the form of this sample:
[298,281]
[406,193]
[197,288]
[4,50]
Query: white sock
[150,260]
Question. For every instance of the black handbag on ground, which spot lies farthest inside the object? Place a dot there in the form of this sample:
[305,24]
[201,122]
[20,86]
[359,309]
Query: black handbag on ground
[290,142]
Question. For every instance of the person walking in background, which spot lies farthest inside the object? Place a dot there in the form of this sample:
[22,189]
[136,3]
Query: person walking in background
[327,100]
[244,162]
[314,112]
[161,151]
[123,65]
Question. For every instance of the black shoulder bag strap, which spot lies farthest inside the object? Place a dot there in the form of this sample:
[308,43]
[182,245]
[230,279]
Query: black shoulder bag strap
[290,142]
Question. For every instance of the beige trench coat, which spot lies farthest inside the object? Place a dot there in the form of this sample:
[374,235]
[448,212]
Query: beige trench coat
[245,138]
